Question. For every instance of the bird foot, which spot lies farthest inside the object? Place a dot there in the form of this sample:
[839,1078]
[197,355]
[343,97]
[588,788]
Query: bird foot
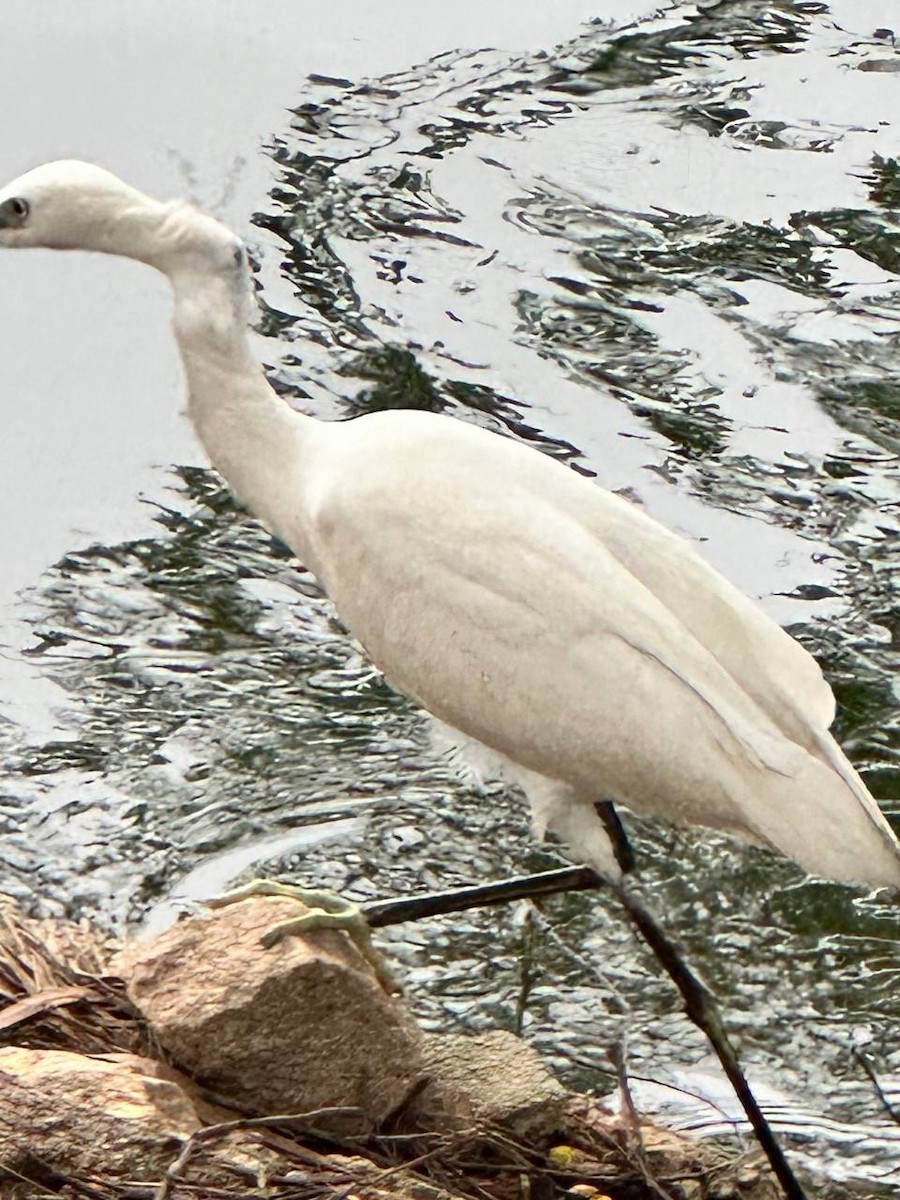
[325,910]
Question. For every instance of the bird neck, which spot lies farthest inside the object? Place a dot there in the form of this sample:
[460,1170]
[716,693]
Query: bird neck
[253,438]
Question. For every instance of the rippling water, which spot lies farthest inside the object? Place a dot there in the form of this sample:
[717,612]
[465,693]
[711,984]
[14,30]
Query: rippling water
[668,254]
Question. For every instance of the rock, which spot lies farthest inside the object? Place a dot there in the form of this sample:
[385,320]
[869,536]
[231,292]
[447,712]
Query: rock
[302,1026]
[493,1079]
[119,1115]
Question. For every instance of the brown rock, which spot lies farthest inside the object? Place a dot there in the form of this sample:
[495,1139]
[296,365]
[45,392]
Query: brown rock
[491,1079]
[119,1115]
[304,1025]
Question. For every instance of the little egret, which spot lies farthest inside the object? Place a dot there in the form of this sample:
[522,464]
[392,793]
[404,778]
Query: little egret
[520,603]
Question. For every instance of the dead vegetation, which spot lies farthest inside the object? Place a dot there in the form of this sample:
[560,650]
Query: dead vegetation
[56,989]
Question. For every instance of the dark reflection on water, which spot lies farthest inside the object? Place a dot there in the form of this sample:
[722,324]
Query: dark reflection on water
[440,231]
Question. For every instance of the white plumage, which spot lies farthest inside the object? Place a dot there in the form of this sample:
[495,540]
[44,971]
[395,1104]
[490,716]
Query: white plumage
[517,601]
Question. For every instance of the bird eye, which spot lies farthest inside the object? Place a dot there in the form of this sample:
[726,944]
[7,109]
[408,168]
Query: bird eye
[15,211]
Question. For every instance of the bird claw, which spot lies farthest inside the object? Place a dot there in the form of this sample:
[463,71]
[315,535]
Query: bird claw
[324,910]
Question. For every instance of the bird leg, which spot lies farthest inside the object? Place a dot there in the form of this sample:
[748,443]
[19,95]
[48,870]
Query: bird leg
[523,887]
[701,1007]
[331,911]
[699,1002]
[615,831]
[324,910]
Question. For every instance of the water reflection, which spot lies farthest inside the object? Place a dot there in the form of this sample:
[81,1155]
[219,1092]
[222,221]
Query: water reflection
[542,246]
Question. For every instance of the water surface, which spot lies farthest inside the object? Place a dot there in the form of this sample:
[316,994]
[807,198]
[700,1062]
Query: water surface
[665,252]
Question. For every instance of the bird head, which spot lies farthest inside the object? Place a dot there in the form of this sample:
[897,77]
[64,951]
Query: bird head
[70,205]
[65,206]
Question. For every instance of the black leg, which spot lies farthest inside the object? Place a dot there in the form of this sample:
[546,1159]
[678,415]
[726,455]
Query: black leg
[414,908]
[701,1006]
[615,831]
[699,1002]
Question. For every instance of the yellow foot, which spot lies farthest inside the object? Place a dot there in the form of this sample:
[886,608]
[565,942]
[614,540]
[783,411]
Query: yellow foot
[327,910]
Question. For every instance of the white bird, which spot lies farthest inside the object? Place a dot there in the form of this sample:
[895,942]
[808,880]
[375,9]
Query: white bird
[590,649]
[517,601]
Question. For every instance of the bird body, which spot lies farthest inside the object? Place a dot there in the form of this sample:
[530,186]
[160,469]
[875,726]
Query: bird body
[560,626]
[519,602]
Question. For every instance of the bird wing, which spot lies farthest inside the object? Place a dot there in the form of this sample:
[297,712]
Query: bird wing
[431,486]
[549,620]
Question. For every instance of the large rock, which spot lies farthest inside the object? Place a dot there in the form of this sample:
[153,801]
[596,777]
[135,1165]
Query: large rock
[493,1079]
[116,1116]
[304,1025]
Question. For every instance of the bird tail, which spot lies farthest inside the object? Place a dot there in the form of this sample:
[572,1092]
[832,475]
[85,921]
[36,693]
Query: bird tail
[808,818]
[835,758]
